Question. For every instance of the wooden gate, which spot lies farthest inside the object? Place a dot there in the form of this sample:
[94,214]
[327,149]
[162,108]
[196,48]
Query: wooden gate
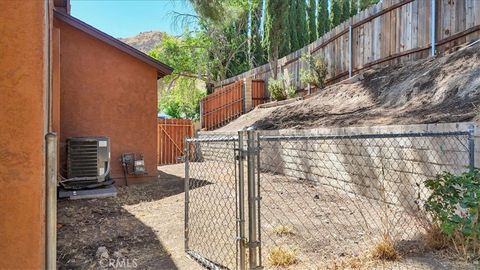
[259,93]
[170,139]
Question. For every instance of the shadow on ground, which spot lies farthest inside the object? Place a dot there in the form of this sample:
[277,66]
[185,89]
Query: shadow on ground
[86,225]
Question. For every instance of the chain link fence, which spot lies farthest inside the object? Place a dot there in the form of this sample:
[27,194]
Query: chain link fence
[255,196]
[211,193]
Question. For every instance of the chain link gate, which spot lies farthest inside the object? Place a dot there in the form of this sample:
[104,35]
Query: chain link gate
[318,197]
[220,181]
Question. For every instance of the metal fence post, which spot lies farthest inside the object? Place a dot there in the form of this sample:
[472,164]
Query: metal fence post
[187,188]
[51,201]
[241,202]
[350,57]
[471,148]
[259,219]
[253,242]
[244,96]
[432,27]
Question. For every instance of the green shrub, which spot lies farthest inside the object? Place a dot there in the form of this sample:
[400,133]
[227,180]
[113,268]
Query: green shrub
[279,89]
[454,205]
[316,71]
[290,90]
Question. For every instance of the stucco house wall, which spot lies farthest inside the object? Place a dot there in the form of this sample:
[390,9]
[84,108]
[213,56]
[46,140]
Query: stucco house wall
[23,88]
[106,92]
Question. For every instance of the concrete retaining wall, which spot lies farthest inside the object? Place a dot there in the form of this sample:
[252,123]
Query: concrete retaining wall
[387,169]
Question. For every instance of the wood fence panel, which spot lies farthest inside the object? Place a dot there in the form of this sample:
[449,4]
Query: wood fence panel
[170,139]
[389,32]
[223,105]
[259,93]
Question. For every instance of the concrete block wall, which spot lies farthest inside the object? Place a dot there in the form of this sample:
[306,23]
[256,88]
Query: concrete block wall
[385,169]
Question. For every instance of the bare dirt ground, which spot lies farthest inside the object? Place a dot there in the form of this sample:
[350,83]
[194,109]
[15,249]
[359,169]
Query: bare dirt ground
[327,229]
[143,223]
[434,90]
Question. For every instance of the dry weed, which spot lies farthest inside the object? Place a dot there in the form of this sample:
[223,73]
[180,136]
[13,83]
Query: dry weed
[282,256]
[282,230]
[434,238]
[385,250]
[352,263]
[356,263]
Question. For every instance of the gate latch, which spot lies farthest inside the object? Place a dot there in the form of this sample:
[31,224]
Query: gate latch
[243,154]
[253,244]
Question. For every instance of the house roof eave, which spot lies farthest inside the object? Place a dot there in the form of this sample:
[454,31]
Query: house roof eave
[162,69]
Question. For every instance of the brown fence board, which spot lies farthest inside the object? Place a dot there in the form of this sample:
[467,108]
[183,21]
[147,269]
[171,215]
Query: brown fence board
[170,139]
[392,31]
[389,32]
[259,93]
[223,105]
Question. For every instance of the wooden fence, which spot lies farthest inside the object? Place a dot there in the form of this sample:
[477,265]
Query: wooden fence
[230,101]
[259,93]
[223,105]
[170,139]
[390,32]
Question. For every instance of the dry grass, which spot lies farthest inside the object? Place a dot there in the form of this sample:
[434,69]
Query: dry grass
[434,238]
[282,256]
[356,263]
[385,250]
[282,230]
[352,263]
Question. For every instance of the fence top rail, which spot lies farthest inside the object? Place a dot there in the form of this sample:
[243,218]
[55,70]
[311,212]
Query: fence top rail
[387,131]
[282,137]
[213,138]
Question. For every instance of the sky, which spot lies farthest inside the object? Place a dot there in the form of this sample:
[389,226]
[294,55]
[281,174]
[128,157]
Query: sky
[125,18]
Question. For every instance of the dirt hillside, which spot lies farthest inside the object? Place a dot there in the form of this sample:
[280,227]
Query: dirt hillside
[144,41]
[433,90]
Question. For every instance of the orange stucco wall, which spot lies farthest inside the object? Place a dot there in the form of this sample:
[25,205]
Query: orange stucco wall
[22,129]
[106,92]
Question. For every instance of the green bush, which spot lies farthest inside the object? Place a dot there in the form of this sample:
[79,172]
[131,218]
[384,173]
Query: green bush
[290,91]
[316,71]
[279,89]
[454,205]
[276,89]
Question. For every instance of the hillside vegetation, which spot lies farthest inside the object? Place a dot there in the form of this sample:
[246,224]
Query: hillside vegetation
[433,90]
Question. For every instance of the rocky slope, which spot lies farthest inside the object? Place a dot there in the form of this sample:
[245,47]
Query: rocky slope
[144,41]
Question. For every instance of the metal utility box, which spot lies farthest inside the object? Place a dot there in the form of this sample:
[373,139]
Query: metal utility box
[88,157]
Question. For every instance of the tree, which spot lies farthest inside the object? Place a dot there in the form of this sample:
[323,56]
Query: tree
[353,7]
[186,55]
[345,11]
[312,24]
[336,13]
[275,30]
[292,29]
[183,100]
[225,23]
[323,18]
[236,38]
[300,22]
[366,3]
[181,91]
[256,53]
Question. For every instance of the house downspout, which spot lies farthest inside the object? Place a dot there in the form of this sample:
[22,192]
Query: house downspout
[50,148]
